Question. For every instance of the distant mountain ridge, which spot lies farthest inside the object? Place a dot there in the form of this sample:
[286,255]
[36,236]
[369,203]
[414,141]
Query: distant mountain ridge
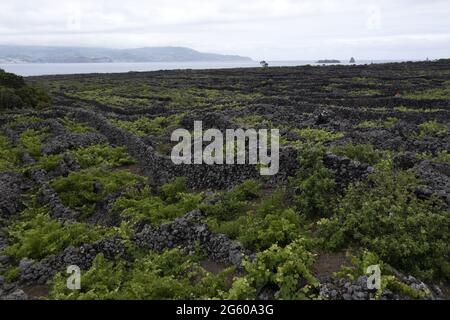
[44,54]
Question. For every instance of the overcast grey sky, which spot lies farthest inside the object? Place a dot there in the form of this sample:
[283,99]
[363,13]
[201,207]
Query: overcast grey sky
[261,29]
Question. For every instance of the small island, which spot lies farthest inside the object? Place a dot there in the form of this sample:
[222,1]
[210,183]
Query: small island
[328,61]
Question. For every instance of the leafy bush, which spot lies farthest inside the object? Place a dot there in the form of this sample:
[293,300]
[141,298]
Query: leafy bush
[318,135]
[9,155]
[364,92]
[10,80]
[387,123]
[102,155]
[169,275]
[431,94]
[261,232]
[34,97]
[15,93]
[385,216]
[145,126]
[363,260]
[9,99]
[22,119]
[76,127]
[93,156]
[82,190]
[253,121]
[282,267]
[313,185]
[32,141]
[36,235]
[361,152]
[441,157]
[171,191]
[142,205]
[432,128]
[234,203]
[11,275]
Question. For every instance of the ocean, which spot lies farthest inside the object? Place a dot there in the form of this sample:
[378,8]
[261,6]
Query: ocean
[39,69]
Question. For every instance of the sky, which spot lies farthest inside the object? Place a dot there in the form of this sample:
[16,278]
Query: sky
[260,29]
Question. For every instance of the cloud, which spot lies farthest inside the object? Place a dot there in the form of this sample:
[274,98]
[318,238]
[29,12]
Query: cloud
[269,29]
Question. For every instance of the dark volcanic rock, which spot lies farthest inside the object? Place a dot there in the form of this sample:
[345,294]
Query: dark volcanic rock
[346,170]
[12,186]
[437,177]
[188,232]
[40,272]
[72,140]
[345,289]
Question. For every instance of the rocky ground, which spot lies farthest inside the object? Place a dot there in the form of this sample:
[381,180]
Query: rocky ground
[92,176]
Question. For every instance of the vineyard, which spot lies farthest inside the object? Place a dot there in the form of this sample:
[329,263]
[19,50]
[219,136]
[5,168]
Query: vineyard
[86,179]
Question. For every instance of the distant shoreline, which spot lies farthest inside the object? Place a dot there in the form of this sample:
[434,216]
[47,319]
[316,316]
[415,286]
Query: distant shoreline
[49,69]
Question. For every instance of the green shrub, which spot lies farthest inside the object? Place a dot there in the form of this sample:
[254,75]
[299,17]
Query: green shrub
[171,191]
[9,99]
[431,94]
[364,93]
[253,121]
[32,141]
[363,260]
[15,93]
[22,119]
[34,97]
[10,80]
[283,267]
[387,123]
[141,205]
[385,216]
[145,126]
[313,185]
[77,127]
[261,232]
[93,156]
[11,275]
[37,235]
[166,276]
[235,202]
[433,128]
[318,135]
[102,155]
[441,157]
[361,152]
[9,155]
[48,162]
[82,190]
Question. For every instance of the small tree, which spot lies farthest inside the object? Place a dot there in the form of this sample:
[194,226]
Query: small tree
[264,64]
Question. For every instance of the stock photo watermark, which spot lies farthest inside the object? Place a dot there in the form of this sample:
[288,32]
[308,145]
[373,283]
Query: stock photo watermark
[231,149]
[74,279]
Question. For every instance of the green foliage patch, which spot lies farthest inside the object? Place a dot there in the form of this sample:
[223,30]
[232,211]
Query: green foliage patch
[82,190]
[369,124]
[433,128]
[145,126]
[283,267]
[9,155]
[170,275]
[36,235]
[385,216]
[16,93]
[32,141]
[172,201]
[365,153]
[312,135]
[313,185]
